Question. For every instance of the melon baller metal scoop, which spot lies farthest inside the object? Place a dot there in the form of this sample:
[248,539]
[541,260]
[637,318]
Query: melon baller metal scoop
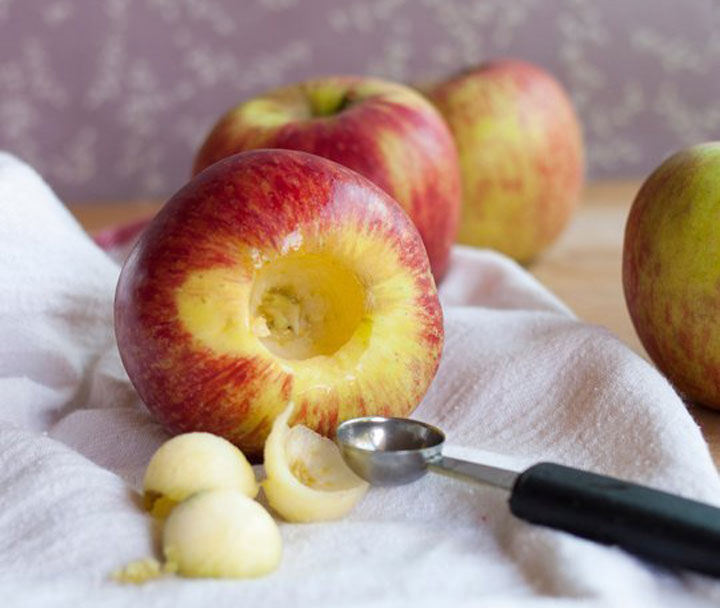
[661,527]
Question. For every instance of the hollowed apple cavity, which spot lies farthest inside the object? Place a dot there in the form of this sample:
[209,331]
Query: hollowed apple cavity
[305,305]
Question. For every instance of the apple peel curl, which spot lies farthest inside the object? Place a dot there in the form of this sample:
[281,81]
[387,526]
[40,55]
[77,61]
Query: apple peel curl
[307,479]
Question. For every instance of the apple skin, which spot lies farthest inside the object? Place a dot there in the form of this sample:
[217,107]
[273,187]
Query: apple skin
[197,318]
[521,155]
[385,131]
[671,270]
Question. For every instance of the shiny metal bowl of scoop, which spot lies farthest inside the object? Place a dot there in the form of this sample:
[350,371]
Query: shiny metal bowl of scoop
[389,451]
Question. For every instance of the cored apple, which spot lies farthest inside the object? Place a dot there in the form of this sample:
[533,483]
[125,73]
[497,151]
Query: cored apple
[383,130]
[521,155]
[273,277]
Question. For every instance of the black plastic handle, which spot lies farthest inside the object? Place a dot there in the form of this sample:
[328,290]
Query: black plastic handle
[655,525]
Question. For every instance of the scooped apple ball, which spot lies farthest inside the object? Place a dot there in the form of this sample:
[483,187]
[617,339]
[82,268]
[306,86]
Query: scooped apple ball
[193,462]
[221,534]
[203,488]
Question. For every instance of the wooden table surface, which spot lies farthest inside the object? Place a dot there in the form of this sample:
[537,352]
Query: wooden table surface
[582,268]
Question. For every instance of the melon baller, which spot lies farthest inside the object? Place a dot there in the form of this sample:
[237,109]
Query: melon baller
[664,528]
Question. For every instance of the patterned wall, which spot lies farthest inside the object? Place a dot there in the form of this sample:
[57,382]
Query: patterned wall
[109,98]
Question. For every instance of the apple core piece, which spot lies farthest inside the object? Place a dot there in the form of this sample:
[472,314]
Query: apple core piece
[307,479]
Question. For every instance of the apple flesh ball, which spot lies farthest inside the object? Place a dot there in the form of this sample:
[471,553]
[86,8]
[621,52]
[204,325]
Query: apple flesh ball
[273,277]
[192,462]
[307,479]
[671,270]
[521,155]
[221,534]
[383,130]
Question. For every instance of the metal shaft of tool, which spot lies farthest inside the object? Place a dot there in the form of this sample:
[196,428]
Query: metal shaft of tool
[473,471]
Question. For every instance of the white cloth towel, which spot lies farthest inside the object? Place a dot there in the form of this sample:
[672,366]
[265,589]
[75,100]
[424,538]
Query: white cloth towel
[520,376]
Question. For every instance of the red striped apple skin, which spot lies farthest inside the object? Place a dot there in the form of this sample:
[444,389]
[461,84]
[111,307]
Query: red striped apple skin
[237,252]
[384,131]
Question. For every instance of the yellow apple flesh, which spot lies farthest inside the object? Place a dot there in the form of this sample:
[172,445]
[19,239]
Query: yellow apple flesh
[221,534]
[193,462]
[307,479]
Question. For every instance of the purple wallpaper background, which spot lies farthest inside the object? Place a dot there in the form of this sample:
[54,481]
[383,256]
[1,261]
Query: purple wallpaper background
[109,98]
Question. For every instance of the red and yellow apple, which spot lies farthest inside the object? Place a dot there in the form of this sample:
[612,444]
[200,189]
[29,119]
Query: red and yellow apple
[521,155]
[384,131]
[273,277]
[671,270]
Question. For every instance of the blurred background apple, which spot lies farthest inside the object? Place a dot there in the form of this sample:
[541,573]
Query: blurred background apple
[383,130]
[521,155]
[671,270]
